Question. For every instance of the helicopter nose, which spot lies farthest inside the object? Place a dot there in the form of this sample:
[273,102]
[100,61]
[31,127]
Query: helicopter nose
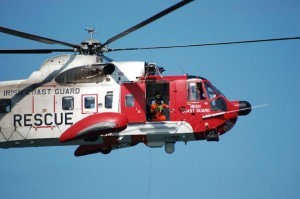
[244,108]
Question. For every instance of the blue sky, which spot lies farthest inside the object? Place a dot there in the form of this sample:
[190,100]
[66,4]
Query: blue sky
[258,158]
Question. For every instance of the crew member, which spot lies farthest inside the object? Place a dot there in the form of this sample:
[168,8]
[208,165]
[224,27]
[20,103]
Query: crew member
[157,109]
[200,92]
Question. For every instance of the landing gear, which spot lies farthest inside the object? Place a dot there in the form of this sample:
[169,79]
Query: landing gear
[212,135]
[106,150]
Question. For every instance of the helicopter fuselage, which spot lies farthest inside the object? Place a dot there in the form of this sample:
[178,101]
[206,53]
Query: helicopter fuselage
[79,100]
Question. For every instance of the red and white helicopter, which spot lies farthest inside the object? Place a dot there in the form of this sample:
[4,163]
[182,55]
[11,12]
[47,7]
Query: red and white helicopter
[89,100]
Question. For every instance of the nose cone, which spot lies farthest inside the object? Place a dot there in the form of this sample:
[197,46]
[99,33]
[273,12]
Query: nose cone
[244,108]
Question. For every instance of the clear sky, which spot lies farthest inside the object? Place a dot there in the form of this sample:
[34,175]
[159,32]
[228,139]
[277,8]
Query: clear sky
[259,158]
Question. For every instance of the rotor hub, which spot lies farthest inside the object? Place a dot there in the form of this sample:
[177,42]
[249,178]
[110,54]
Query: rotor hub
[90,46]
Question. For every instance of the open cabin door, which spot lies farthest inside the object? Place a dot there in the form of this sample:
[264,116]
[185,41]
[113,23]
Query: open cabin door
[158,88]
[133,101]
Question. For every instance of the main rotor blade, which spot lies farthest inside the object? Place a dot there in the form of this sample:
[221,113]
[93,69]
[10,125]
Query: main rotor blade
[208,44]
[147,21]
[34,51]
[35,37]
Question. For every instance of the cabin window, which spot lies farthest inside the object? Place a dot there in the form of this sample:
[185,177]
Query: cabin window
[89,102]
[68,103]
[5,105]
[129,101]
[109,99]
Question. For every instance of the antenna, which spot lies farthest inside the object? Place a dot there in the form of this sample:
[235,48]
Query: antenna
[224,112]
[91,31]
[182,70]
[153,69]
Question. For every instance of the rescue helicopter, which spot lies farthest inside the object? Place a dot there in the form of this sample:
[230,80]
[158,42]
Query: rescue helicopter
[87,99]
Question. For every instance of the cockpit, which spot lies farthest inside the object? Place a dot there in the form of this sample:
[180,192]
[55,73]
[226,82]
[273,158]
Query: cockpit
[203,90]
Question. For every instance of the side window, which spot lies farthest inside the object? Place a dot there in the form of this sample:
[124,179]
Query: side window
[195,92]
[5,105]
[129,101]
[192,94]
[89,102]
[109,99]
[68,103]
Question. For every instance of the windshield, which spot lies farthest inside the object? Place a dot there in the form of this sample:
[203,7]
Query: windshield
[217,102]
[211,90]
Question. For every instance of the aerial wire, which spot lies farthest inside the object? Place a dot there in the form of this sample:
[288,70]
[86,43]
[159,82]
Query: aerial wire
[150,168]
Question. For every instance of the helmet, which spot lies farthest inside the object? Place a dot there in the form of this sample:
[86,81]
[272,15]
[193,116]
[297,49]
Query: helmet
[158,98]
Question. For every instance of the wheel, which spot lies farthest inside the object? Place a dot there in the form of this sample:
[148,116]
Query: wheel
[212,136]
[106,150]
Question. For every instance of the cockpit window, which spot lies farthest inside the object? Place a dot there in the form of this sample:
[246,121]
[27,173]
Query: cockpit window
[195,91]
[192,94]
[217,102]
[210,92]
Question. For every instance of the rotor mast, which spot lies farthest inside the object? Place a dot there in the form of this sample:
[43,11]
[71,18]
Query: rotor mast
[91,31]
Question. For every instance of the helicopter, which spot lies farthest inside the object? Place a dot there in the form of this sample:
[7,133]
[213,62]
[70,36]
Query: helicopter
[89,100]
